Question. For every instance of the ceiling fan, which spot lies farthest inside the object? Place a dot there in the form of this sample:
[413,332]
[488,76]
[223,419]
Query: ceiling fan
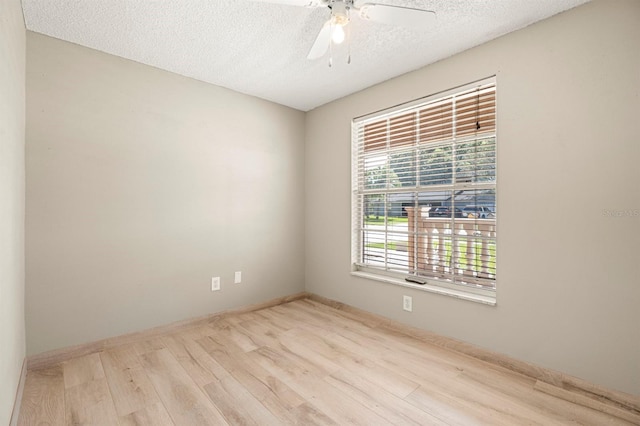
[333,31]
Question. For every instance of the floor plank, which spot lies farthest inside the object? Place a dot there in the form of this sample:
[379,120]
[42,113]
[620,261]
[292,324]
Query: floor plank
[130,387]
[82,370]
[307,414]
[387,405]
[328,399]
[237,404]
[184,401]
[195,360]
[149,345]
[270,390]
[90,403]
[43,398]
[151,415]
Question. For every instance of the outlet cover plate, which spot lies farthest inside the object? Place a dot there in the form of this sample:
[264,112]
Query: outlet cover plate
[215,283]
[407,303]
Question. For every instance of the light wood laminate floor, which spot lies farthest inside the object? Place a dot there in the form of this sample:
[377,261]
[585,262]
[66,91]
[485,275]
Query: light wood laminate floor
[298,363]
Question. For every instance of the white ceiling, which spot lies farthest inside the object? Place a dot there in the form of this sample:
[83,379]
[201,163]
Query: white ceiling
[260,49]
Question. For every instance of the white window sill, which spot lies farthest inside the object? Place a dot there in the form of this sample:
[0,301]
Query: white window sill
[458,294]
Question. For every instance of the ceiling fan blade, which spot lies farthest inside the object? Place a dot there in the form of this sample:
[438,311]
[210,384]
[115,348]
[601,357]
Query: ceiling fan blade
[396,15]
[304,3]
[321,44]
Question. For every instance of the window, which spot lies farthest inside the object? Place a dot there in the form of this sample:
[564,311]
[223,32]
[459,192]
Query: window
[424,192]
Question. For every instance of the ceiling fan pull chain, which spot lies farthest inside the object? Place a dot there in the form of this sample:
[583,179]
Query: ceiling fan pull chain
[331,48]
[348,45]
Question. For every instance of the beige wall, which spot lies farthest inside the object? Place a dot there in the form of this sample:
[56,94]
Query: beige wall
[12,128]
[141,186]
[568,276]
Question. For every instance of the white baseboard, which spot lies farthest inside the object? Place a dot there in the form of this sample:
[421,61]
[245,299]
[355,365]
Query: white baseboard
[18,402]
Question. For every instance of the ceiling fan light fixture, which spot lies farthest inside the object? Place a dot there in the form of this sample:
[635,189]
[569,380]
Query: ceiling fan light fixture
[338,34]
[339,19]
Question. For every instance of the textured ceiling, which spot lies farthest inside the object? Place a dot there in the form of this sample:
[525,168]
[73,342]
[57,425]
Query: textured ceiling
[261,49]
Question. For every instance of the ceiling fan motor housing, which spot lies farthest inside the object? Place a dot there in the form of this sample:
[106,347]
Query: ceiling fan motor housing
[339,13]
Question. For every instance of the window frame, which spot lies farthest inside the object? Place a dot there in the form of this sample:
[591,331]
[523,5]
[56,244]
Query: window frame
[476,293]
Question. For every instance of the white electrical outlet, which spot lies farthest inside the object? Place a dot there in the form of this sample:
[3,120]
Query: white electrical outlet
[238,277]
[215,283]
[407,303]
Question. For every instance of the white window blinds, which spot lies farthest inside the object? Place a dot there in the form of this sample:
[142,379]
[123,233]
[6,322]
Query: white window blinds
[424,189]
